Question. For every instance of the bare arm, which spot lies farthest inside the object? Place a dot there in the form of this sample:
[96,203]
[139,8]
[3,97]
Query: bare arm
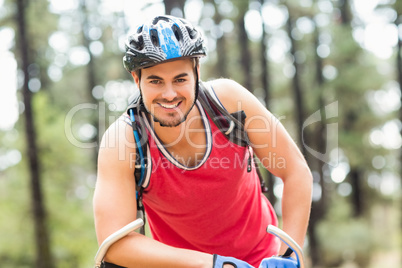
[115,206]
[277,152]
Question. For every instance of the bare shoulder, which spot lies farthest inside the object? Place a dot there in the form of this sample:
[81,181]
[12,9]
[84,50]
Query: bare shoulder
[233,96]
[227,89]
[114,196]
[117,145]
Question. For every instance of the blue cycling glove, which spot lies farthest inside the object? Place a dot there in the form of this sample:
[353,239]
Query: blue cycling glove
[283,261]
[279,262]
[219,261]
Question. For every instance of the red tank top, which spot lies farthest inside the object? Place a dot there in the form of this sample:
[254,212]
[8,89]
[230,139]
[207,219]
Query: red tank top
[214,207]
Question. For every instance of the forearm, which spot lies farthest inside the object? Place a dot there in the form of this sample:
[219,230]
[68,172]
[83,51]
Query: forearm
[296,205]
[139,251]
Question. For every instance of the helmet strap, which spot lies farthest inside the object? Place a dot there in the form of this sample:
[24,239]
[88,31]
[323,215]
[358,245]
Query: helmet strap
[197,86]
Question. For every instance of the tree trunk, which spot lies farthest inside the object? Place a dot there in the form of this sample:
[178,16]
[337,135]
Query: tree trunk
[299,117]
[96,121]
[265,74]
[345,12]
[356,197]
[245,55]
[266,85]
[350,121]
[171,4]
[399,71]
[43,253]
[399,76]
[296,87]
[319,207]
[221,62]
[321,131]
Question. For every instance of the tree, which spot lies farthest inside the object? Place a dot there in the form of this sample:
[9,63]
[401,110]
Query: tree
[356,112]
[170,5]
[91,73]
[398,23]
[299,111]
[348,84]
[320,137]
[266,85]
[348,74]
[221,47]
[245,55]
[299,115]
[43,257]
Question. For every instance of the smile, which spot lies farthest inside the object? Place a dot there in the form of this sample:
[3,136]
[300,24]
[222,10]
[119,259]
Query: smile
[169,106]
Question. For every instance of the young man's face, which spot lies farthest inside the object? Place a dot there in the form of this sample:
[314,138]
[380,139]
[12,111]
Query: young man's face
[168,91]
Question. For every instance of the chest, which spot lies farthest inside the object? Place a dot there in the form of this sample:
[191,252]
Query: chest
[186,176]
[209,176]
[190,151]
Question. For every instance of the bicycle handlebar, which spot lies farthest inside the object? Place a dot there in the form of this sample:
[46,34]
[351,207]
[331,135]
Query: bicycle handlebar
[289,242]
[119,234]
[139,223]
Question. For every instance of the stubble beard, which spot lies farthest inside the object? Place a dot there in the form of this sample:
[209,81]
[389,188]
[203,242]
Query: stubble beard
[171,122]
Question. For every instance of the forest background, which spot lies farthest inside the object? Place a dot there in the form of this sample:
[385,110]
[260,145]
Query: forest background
[330,70]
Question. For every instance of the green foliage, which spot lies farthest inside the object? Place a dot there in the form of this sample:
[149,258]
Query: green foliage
[344,238]
[68,182]
[15,218]
[350,88]
[68,172]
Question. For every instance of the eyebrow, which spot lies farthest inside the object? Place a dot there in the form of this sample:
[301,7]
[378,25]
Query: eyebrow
[160,78]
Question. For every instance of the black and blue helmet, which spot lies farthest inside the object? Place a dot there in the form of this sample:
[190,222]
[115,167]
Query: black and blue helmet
[165,38]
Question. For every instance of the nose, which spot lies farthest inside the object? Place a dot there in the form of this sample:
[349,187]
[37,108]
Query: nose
[169,93]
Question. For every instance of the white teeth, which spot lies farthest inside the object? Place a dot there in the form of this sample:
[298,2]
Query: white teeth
[169,106]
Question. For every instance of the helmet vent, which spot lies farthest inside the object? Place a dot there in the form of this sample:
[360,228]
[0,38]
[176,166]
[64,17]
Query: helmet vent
[177,32]
[137,44]
[191,32]
[154,37]
[157,19]
[139,30]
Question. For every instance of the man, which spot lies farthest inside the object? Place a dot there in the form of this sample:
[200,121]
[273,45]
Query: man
[203,202]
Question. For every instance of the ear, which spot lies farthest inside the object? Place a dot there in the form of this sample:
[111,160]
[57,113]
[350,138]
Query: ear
[136,78]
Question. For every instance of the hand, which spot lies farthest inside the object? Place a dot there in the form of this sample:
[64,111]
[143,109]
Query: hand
[220,262]
[279,262]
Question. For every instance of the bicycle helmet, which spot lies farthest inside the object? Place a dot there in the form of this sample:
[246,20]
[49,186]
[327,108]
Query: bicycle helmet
[165,38]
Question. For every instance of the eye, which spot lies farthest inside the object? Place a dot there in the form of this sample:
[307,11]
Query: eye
[180,80]
[154,82]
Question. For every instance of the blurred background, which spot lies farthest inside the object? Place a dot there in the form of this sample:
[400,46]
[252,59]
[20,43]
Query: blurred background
[330,70]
